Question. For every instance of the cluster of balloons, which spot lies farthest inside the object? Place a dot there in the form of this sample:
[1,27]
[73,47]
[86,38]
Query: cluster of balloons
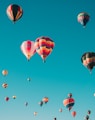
[43,46]
[44,100]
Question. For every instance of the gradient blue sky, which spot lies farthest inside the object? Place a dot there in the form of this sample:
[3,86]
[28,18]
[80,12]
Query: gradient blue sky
[63,71]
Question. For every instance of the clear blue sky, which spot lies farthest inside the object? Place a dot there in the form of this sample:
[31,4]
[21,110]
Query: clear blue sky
[63,71]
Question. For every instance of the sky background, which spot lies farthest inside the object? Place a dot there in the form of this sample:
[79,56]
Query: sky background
[63,71]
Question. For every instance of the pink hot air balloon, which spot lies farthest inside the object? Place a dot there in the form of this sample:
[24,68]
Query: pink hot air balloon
[28,49]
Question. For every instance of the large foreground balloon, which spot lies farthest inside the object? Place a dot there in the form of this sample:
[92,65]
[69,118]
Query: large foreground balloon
[88,60]
[83,18]
[28,49]
[44,46]
[69,102]
[14,12]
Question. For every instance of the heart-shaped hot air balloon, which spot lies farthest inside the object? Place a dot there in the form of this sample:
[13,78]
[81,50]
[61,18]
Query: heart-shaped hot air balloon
[28,49]
[14,12]
[44,46]
[69,102]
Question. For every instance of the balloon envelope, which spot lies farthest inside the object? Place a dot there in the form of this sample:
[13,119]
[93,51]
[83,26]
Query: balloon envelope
[28,49]
[44,46]
[83,18]
[14,12]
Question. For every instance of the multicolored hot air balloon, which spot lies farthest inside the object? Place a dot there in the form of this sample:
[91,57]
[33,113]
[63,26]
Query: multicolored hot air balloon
[4,85]
[83,18]
[88,60]
[69,102]
[28,49]
[44,46]
[73,113]
[5,72]
[45,99]
[14,12]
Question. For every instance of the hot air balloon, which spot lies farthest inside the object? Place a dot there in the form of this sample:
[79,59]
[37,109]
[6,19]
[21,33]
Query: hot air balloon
[88,60]
[35,113]
[7,98]
[45,99]
[28,49]
[86,117]
[44,46]
[40,103]
[4,85]
[14,97]
[14,12]
[60,110]
[83,18]
[26,103]
[73,113]
[89,112]
[29,79]
[5,72]
[69,103]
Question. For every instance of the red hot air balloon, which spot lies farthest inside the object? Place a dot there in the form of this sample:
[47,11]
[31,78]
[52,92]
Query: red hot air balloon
[45,99]
[69,103]
[14,12]
[44,46]
[73,113]
[28,49]
[7,98]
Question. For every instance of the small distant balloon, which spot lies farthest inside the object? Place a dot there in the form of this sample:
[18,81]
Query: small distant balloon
[7,98]
[4,85]
[35,113]
[40,103]
[29,79]
[89,112]
[86,117]
[55,118]
[26,103]
[60,110]
[94,94]
[14,97]
[5,72]
[45,99]
[73,113]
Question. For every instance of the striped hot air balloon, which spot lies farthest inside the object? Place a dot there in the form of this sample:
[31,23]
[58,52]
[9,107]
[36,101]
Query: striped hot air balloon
[28,49]
[69,103]
[44,46]
[88,60]
[14,12]
[83,18]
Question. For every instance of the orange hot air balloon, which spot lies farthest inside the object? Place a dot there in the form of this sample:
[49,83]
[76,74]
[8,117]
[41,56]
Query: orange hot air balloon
[45,99]
[14,12]
[28,49]
[4,85]
[5,72]
[44,46]
[73,113]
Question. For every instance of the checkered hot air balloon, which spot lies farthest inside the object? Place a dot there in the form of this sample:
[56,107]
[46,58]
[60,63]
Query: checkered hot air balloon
[28,49]
[69,102]
[44,46]
[88,60]
[14,12]
[83,18]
